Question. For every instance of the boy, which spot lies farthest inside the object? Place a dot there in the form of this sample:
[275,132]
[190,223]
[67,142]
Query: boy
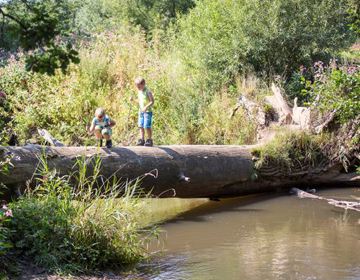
[146,101]
[101,125]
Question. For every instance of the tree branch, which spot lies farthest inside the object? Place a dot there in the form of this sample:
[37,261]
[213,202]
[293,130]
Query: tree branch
[22,25]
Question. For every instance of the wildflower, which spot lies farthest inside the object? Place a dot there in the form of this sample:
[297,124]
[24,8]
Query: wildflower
[352,69]
[8,213]
[5,207]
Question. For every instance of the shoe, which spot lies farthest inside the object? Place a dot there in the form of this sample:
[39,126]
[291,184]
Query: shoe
[140,142]
[99,142]
[108,144]
[149,143]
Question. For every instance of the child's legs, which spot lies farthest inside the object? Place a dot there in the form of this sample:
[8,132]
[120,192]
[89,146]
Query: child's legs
[106,133]
[142,133]
[149,133]
[97,132]
[141,125]
[148,124]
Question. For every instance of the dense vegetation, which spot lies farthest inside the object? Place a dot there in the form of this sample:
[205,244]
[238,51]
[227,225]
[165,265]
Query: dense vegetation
[60,59]
[66,228]
[196,65]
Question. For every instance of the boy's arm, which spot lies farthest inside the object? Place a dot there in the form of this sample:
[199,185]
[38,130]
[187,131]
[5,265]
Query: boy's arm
[151,98]
[112,123]
[92,127]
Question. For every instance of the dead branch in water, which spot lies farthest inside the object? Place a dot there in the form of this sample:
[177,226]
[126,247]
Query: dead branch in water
[352,205]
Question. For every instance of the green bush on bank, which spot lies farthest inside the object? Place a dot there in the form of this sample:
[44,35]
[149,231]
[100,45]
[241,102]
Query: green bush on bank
[339,91]
[66,228]
[291,150]
[220,38]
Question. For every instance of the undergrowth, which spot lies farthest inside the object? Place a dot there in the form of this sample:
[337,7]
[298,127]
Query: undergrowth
[68,228]
[290,150]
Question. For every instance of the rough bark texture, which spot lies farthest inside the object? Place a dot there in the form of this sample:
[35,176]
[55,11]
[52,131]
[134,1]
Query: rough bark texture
[182,171]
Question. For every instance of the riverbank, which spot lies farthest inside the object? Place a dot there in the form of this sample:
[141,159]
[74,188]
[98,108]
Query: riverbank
[273,236]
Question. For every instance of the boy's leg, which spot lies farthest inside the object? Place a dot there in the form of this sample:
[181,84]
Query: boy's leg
[147,125]
[142,133]
[149,133]
[141,140]
[106,133]
[98,135]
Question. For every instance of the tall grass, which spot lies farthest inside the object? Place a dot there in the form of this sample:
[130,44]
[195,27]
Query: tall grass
[290,150]
[75,228]
[65,103]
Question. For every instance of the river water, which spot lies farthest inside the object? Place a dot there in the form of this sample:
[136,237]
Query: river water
[261,237]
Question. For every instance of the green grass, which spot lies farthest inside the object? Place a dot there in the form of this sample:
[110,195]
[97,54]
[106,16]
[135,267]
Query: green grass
[289,150]
[86,227]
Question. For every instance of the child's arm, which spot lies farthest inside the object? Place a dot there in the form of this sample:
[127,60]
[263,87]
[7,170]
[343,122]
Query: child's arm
[91,128]
[151,98]
[112,123]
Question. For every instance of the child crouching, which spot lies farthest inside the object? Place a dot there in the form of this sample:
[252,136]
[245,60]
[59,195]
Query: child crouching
[101,126]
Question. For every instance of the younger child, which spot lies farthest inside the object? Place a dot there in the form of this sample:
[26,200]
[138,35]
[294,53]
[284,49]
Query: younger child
[146,101]
[101,125]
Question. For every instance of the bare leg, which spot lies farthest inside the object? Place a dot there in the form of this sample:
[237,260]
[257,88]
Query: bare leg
[98,137]
[106,136]
[98,134]
[149,133]
[142,133]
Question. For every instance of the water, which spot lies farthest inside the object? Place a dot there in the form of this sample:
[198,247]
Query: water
[261,238]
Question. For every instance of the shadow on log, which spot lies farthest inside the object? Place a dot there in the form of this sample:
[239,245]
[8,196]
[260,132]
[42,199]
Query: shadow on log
[182,171]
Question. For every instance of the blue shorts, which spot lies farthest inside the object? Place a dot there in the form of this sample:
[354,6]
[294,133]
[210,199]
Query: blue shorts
[145,119]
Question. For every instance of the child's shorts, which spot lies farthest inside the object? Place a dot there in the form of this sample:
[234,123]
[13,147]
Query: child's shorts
[104,130]
[145,119]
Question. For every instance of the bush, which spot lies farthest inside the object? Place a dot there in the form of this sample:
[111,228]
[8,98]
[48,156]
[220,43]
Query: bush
[218,39]
[67,228]
[339,90]
[5,244]
[291,150]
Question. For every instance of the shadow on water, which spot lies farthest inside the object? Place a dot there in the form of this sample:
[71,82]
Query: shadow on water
[200,213]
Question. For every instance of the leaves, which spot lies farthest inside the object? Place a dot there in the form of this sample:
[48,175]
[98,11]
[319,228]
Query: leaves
[43,29]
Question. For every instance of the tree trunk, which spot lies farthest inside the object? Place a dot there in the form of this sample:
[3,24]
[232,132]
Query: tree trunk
[182,171]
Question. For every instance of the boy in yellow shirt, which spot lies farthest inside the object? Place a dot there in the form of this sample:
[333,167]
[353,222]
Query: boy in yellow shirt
[146,101]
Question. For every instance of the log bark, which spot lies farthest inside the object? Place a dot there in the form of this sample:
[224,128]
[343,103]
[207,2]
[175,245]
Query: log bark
[182,171]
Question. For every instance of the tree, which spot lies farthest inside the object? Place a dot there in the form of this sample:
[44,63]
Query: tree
[97,15]
[221,38]
[43,28]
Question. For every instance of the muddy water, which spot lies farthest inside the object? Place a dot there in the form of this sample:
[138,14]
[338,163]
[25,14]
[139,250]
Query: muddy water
[261,238]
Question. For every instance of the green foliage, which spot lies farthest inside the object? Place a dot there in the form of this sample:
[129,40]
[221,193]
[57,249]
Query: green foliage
[299,86]
[339,90]
[354,16]
[44,28]
[67,228]
[5,244]
[291,150]
[219,39]
[65,103]
[95,15]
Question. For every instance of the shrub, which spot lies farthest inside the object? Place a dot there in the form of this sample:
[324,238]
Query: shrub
[218,39]
[339,90]
[66,228]
[5,244]
[291,150]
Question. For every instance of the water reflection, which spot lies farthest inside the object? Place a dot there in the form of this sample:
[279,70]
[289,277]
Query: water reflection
[275,238]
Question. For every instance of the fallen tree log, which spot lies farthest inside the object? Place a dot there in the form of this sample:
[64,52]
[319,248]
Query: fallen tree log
[182,171]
